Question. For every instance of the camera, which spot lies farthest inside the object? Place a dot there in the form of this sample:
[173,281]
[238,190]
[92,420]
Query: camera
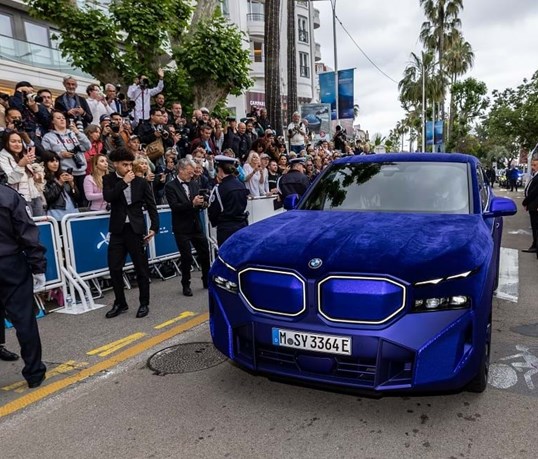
[204,193]
[34,97]
[18,124]
[114,127]
[164,133]
[77,151]
[144,83]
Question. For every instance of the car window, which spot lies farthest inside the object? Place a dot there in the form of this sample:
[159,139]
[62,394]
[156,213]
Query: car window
[434,187]
[482,187]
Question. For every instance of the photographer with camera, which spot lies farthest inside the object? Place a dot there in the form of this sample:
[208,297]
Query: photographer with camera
[35,117]
[14,123]
[98,104]
[186,201]
[110,134]
[70,144]
[296,133]
[72,105]
[155,135]
[141,95]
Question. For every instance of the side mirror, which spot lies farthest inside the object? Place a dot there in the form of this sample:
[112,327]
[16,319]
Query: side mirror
[291,201]
[501,207]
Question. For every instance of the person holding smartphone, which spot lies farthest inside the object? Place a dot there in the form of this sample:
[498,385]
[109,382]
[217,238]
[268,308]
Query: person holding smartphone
[128,196]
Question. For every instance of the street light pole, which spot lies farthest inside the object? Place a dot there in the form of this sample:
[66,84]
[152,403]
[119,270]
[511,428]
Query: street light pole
[423,106]
[333,5]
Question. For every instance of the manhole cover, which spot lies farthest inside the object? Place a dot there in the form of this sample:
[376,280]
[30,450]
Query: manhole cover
[185,358]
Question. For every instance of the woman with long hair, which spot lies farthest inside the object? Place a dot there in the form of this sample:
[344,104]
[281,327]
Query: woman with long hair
[60,189]
[16,162]
[255,176]
[93,183]
[93,132]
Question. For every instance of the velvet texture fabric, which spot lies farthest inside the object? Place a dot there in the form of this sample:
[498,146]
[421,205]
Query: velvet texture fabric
[412,247]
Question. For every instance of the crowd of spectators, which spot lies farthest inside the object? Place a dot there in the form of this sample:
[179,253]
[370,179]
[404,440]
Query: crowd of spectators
[54,151]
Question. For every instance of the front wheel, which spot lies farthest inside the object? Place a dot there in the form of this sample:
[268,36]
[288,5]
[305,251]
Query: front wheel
[479,383]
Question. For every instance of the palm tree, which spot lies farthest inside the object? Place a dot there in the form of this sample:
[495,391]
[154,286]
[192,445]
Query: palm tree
[272,64]
[441,29]
[292,61]
[459,59]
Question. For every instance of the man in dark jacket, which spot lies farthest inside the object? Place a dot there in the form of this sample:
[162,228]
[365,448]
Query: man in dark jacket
[128,196]
[530,203]
[186,203]
[23,265]
[72,104]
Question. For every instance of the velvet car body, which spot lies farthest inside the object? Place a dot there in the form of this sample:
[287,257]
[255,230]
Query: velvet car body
[380,279]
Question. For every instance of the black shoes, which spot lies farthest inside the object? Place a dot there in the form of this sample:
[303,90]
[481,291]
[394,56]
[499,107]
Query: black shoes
[530,250]
[36,383]
[187,291]
[143,311]
[116,310]
[6,355]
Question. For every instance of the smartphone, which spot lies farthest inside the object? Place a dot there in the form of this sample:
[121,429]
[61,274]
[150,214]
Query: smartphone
[69,170]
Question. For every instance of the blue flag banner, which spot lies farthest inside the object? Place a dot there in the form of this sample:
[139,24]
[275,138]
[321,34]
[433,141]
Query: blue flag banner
[429,132]
[346,94]
[438,132]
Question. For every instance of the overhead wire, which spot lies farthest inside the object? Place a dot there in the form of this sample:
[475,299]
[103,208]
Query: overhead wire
[364,53]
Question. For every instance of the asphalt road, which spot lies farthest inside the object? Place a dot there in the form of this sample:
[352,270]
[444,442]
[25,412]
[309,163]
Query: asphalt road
[120,408]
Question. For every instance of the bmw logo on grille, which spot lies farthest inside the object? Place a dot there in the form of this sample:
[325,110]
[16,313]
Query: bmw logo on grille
[315,263]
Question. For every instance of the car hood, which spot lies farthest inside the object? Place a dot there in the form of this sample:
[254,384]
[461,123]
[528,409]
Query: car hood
[411,247]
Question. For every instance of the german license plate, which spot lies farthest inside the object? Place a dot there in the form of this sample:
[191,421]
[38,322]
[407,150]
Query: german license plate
[312,341]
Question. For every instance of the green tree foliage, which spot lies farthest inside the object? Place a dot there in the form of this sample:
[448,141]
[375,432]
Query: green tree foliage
[513,119]
[469,103]
[139,36]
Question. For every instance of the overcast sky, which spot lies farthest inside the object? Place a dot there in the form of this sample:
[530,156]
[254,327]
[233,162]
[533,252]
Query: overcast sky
[503,34]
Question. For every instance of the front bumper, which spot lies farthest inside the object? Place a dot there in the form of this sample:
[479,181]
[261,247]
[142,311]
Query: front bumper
[415,352]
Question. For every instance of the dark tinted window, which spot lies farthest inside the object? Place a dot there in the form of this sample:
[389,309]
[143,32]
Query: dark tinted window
[433,187]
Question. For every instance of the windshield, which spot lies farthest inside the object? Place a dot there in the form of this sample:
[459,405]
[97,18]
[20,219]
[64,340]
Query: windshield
[432,187]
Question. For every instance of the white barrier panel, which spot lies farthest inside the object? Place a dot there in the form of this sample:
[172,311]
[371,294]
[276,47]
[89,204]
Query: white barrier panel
[49,236]
[262,208]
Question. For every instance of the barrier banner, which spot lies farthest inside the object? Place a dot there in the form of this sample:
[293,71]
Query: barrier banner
[164,243]
[48,239]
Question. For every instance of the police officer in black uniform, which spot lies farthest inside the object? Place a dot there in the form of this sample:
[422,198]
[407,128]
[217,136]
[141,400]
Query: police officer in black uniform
[228,200]
[295,181]
[22,268]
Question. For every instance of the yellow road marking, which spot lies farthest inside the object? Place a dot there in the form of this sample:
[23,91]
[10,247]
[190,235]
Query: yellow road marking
[49,389]
[108,349]
[174,320]
[65,367]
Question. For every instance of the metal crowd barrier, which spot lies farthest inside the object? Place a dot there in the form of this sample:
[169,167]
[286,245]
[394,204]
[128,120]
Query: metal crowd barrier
[77,255]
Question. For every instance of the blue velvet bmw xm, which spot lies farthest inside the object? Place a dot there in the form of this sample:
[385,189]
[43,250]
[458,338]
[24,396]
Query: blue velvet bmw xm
[380,278]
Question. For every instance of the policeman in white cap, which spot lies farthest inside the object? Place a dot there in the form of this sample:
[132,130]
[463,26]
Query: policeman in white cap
[295,181]
[23,265]
[228,200]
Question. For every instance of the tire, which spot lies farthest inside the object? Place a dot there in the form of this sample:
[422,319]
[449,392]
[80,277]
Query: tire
[480,382]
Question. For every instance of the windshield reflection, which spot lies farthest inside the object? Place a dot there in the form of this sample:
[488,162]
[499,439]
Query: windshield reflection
[432,187]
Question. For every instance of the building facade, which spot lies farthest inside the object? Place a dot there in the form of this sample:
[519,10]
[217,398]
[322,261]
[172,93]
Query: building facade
[28,50]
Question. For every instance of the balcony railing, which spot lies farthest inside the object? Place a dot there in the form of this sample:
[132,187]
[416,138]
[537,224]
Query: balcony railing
[39,56]
[303,36]
[255,17]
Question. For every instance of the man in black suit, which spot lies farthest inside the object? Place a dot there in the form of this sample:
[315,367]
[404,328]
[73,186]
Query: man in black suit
[530,203]
[186,202]
[128,197]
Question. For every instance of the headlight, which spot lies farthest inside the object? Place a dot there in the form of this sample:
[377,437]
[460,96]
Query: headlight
[443,303]
[225,284]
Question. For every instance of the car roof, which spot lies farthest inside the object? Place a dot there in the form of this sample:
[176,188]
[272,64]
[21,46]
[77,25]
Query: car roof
[409,157]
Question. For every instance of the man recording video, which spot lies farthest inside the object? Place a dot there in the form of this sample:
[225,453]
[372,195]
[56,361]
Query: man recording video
[141,94]
[296,133]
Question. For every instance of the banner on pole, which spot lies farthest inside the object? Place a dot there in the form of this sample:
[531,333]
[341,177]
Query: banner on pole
[429,132]
[319,123]
[346,94]
[438,132]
